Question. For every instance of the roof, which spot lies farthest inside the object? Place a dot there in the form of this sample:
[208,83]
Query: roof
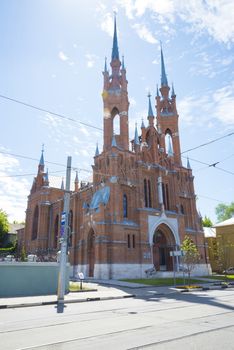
[225,223]
[13,228]
[209,232]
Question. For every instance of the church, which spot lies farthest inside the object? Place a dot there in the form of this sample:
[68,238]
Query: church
[141,202]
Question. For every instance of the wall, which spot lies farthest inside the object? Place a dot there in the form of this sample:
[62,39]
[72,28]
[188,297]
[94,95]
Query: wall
[28,279]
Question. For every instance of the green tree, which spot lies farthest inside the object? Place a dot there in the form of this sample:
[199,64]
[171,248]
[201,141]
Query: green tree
[206,222]
[4,226]
[191,255]
[224,211]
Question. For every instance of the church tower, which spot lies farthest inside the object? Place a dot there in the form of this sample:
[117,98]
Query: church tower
[115,100]
[167,117]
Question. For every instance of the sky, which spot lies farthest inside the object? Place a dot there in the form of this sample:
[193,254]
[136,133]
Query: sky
[52,57]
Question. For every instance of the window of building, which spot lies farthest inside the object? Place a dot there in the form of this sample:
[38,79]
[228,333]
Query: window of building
[165,192]
[145,193]
[125,206]
[168,141]
[133,241]
[129,241]
[149,194]
[35,223]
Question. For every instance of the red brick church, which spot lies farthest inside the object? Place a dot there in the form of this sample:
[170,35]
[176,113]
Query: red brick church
[141,202]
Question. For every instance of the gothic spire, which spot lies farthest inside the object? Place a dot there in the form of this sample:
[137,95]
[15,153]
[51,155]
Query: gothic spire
[41,162]
[142,124]
[150,111]
[97,151]
[76,182]
[157,92]
[172,91]
[163,71]
[136,138]
[115,49]
[188,164]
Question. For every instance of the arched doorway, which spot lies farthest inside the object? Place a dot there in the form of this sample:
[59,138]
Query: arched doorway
[163,244]
[91,253]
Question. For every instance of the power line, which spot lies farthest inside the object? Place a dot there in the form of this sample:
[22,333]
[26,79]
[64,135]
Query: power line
[48,111]
[208,143]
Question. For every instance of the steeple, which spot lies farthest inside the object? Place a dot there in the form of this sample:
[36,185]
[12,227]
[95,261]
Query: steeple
[115,100]
[188,164]
[41,164]
[115,49]
[173,91]
[163,71]
[142,124]
[76,182]
[136,137]
[150,111]
[97,151]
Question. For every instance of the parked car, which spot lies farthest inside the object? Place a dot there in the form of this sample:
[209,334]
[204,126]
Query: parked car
[229,271]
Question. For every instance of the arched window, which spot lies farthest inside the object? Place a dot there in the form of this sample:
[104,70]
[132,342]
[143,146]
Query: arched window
[35,223]
[168,142]
[165,196]
[125,206]
[116,125]
[182,209]
[145,193]
[56,232]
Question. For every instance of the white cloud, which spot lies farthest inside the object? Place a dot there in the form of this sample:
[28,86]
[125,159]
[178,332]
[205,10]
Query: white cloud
[62,56]
[13,190]
[132,101]
[213,17]
[144,33]
[216,106]
[91,58]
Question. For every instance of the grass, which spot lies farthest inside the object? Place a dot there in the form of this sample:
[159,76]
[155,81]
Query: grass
[75,287]
[220,277]
[161,281]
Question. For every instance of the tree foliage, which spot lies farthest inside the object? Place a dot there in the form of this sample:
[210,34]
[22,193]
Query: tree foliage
[224,211]
[206,222]
[191,255]
[4,226]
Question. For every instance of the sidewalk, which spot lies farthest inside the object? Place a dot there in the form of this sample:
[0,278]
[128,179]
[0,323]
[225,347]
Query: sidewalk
[100,290]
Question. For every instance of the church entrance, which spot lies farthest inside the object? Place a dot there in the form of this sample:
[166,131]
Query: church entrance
[163,244]
[91,253]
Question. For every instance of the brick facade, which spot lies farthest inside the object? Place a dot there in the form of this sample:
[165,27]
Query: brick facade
[141,203]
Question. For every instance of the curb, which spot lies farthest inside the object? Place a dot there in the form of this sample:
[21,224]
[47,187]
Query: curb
[44,303]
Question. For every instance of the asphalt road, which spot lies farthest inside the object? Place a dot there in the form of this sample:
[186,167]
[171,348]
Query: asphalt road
[199,320]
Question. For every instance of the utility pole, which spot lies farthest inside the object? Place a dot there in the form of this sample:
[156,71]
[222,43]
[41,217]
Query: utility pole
[63,240]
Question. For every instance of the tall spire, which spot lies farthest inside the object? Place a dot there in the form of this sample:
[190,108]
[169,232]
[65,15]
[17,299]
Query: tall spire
[115,49]
[136,138]
[163,71]
[97,151]
[150,111]
[172,91]
[188,164]
[76,182]
[41,164]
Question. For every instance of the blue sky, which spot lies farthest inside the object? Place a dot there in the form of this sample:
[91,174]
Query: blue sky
[52,56]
